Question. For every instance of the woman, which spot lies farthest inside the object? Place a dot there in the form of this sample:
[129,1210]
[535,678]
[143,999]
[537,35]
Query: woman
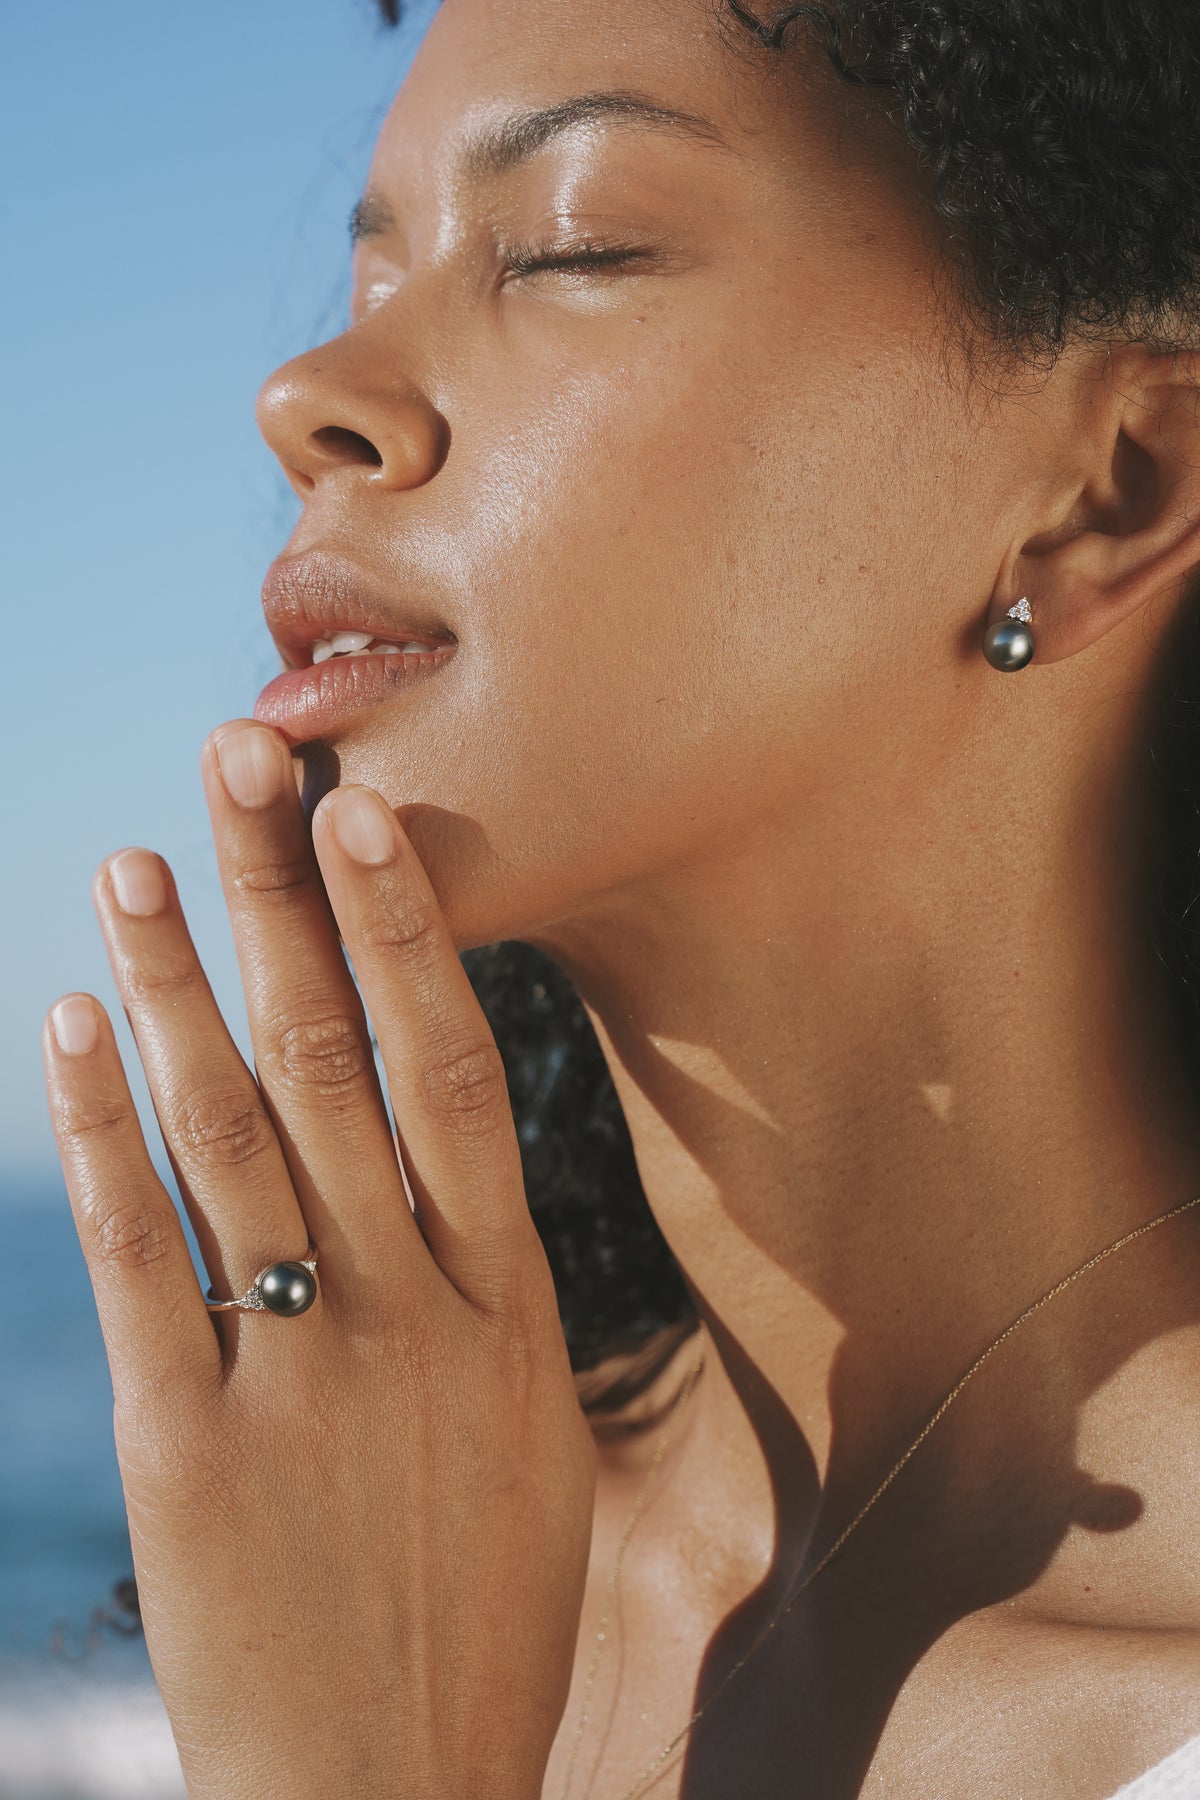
[778,442]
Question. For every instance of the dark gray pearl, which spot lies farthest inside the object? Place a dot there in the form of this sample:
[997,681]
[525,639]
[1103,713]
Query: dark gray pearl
[288,1288]
[1008,644]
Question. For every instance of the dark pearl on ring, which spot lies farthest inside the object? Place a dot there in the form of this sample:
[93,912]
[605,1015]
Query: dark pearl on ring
[1008,644]
[287,1288]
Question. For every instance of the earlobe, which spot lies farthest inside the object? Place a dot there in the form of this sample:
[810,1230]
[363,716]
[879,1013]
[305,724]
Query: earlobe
[1132,533]
[1009,644]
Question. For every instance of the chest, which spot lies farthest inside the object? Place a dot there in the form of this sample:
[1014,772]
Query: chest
[989,1710]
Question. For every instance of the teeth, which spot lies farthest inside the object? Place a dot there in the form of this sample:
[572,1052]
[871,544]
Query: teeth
[353,643]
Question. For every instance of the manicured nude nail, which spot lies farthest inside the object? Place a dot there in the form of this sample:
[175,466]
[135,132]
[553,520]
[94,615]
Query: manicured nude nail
[251,766]
[363,825]
[75,1025]
[137,882]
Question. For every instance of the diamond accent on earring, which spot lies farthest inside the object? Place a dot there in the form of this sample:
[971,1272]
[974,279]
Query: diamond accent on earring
[1021,611]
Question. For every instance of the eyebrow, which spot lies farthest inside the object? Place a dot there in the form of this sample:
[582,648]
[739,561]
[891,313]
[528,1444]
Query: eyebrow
[507,143]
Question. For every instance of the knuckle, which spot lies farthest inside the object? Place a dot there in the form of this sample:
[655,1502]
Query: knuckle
[127,1231]
[150,1450]
[518,1344]
[407,925]
[513,1285]
[161,1436]
[325,1055]
[82,1121]
[169,976]
[273,880]
[224,1128]
[466,1087]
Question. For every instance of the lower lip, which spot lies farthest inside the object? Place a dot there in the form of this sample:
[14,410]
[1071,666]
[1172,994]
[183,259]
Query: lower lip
[310,703]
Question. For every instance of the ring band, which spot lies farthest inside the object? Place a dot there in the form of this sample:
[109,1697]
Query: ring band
[285,1288]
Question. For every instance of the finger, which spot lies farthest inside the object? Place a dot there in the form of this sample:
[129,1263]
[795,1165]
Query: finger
[312,1046]
[444,1071]
[155,1325]
[232,1173]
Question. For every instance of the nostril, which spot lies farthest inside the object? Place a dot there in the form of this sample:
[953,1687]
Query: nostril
[343,446]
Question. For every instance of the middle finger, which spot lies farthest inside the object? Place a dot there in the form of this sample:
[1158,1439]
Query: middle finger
[312,1046]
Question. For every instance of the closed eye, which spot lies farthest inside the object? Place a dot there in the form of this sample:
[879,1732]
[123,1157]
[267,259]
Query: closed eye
[585,253]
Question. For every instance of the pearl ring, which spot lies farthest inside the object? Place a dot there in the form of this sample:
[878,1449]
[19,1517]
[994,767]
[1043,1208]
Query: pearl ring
[286,1288]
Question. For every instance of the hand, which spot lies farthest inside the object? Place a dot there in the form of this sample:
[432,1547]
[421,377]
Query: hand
[360,1534]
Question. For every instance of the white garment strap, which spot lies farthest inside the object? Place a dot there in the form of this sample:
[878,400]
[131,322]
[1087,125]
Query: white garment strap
[1178,1778]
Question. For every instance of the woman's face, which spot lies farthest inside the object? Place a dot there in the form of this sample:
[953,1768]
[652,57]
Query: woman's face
[693,517]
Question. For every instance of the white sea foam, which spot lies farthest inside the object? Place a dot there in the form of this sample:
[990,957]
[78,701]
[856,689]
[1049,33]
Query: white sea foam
[106,1742]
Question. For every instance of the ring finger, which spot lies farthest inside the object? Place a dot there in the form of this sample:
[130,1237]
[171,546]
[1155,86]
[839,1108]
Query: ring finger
[231,1170]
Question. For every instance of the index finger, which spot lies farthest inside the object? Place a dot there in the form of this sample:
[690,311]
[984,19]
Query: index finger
[444,1070]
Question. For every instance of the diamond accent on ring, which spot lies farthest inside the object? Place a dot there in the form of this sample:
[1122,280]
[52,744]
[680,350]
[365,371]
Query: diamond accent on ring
[1021,611]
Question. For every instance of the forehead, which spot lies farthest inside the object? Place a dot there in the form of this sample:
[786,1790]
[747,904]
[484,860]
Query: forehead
[552,44]
[483,63]
[783,157]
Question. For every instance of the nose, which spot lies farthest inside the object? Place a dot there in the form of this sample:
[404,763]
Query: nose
[329,416]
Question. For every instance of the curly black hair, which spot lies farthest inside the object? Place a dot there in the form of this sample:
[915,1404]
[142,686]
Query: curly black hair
[621,1297]
[1059,143]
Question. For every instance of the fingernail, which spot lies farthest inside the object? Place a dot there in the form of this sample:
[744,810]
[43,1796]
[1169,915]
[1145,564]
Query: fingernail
[137,882]
[75,1024]
[251,766]
[363,824]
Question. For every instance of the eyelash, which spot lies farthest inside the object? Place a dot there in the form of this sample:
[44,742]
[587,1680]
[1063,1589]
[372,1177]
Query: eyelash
[586,253]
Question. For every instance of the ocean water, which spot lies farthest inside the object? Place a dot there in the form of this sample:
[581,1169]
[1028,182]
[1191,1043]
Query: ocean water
[80,1716]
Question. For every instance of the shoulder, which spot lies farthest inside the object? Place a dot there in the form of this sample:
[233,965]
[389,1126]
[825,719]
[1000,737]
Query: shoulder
[1006,1704]
[1129,1561]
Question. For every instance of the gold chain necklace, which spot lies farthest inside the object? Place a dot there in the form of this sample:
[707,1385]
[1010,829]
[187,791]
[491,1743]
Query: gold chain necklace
[791,1598]
[613,1574]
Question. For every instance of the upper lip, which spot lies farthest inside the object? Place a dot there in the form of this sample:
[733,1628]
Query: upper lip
[310,596]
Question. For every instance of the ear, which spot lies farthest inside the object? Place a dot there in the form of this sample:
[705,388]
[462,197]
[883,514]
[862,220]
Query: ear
[1129,531]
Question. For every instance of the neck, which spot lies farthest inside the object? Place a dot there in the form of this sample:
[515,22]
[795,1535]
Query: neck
[884,1092]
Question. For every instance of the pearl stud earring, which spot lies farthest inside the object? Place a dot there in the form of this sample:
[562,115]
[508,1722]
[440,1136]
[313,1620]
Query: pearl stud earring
[1009,643]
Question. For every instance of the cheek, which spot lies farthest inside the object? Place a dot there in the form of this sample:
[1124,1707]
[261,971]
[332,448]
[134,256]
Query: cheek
[686,594]
[640,675]
[709,566]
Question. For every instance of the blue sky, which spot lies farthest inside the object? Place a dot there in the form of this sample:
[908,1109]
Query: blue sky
[177,181]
